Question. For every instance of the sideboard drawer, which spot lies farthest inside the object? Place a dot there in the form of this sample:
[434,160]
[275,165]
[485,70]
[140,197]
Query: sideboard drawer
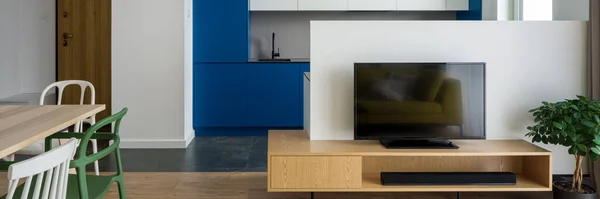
[316,172]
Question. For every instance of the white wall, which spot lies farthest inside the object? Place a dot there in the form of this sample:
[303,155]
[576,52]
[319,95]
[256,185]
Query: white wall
[10,83]
[37,57]
[27,48]
[505,10]
[537,10]
[497,10]
[525,65]
[292,29]
[571,10]
[489,9]
[149,72]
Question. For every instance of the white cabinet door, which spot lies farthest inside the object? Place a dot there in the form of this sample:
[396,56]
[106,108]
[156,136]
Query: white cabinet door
[421,5]
[272,5]
[365,5]
[322,4]
[457,4]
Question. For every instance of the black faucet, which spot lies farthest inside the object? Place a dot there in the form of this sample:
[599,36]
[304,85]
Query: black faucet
[273,53]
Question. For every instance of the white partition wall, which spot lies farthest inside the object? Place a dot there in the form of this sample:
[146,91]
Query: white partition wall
[527,62]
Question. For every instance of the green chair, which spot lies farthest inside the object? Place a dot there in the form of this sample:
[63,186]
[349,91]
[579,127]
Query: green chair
[85,186]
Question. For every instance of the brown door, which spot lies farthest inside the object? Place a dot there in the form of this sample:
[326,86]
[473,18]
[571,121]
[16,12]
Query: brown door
[84,48]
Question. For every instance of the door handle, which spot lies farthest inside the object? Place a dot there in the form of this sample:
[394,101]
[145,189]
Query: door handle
[67,35]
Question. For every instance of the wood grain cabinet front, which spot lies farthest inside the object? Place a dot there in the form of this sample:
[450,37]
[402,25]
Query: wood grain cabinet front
[321,172]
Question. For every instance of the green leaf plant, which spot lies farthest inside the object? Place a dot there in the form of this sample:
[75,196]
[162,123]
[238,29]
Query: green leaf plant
[573,123]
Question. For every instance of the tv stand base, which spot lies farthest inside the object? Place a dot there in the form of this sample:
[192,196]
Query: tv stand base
[298,164]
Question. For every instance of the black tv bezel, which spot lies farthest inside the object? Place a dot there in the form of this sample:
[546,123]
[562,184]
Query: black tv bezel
[356,137]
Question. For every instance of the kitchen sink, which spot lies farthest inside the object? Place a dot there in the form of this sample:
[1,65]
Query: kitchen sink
[274,60]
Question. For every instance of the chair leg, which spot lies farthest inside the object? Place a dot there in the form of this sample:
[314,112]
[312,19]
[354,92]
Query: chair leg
[48,144]
[82,182]
[95,150]
[121,189]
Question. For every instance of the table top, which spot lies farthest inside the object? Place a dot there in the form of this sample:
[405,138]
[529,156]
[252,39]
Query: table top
[297,142]
[21,126]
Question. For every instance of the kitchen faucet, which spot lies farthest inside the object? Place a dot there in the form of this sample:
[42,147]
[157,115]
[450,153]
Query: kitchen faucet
[273,53]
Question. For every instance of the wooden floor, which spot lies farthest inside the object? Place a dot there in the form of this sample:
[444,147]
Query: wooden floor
[253,186]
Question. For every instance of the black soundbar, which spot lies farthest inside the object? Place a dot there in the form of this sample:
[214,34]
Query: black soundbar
[448,178]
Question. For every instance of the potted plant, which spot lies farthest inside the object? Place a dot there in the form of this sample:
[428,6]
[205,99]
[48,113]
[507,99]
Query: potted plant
[574,123]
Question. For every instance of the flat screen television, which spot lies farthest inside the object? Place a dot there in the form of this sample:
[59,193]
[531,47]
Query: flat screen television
[419,105]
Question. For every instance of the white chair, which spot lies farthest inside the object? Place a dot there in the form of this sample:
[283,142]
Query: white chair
[38,148]
[54,165]
[83,85]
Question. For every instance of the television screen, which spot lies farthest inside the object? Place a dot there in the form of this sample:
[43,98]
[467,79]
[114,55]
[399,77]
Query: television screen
[396,101]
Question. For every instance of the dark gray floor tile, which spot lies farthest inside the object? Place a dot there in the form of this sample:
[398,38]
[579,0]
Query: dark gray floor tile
[260,141]
[205,154]
[258,156]
[222,141]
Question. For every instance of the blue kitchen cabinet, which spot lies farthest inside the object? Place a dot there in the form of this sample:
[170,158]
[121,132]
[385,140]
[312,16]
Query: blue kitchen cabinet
[220,93]
[474,12]
[273,96]
[304,67]
[221,31]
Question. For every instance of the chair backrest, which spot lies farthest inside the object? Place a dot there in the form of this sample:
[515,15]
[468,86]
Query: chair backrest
[83,85]
[61,87]
[50,171]
[81,153]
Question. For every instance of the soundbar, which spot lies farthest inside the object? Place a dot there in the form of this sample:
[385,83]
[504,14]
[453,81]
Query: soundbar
[448,178]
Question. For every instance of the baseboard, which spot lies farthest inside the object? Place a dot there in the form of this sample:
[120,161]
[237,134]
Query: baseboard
[239,131]
[153,144]
[189,138]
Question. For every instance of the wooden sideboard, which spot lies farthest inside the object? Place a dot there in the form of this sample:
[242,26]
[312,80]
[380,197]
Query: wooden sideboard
[297,164]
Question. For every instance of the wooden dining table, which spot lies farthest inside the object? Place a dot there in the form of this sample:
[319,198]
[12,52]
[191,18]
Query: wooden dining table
[21,126]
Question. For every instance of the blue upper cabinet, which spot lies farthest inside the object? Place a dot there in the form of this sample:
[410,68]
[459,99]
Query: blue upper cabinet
[221,31]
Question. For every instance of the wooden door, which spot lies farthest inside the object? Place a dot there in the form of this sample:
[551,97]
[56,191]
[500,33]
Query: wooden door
[84,48]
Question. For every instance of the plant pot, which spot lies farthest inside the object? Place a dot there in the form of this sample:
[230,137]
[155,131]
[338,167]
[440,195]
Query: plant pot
[560,192]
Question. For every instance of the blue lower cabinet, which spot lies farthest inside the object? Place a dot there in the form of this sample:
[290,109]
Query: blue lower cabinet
[273,96]
[246,98]
[220,93]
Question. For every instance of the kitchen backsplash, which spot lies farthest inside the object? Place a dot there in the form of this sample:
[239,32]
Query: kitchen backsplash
[292,29]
